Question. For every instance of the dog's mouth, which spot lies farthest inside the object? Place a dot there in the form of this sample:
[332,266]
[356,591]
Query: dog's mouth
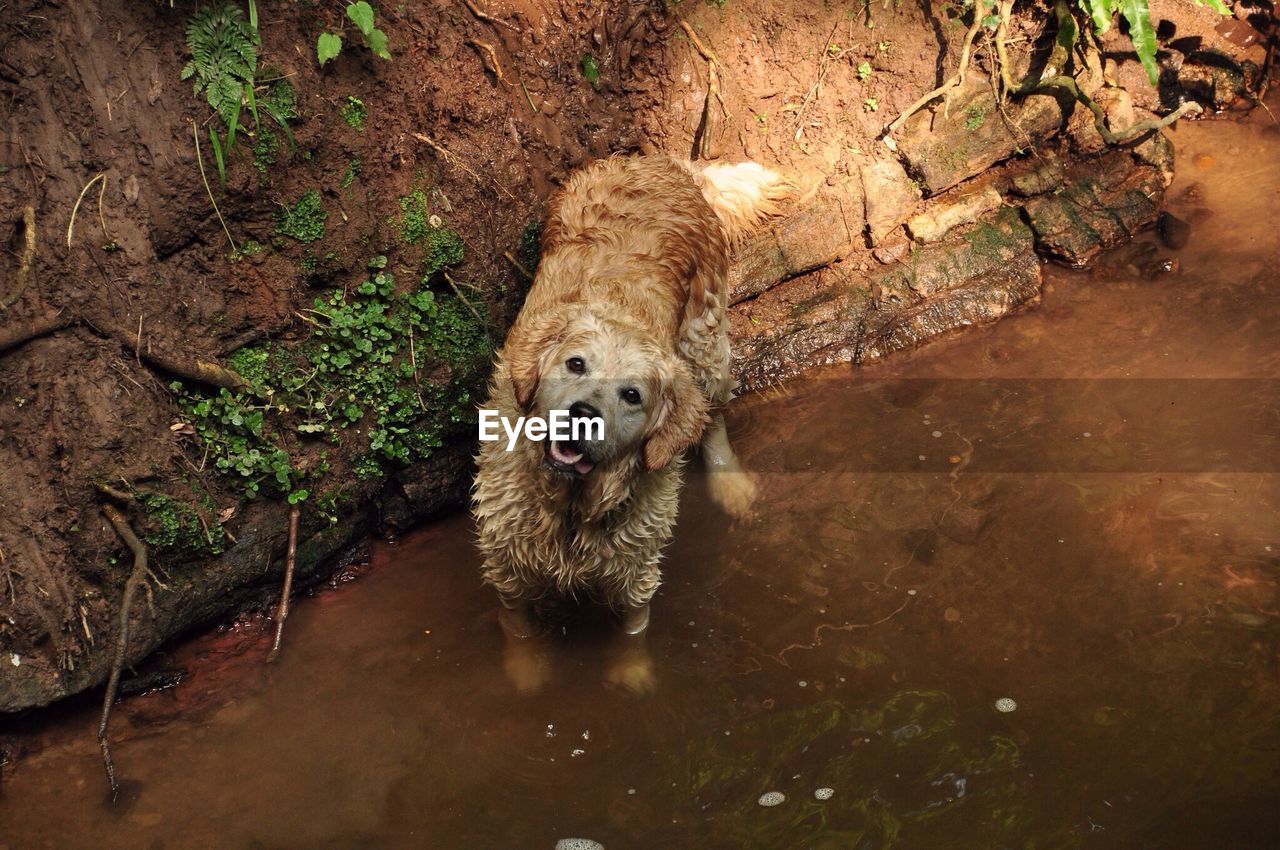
[568,457]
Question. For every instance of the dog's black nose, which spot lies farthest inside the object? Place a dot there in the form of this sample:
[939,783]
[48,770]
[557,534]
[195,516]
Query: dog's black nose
[582,410]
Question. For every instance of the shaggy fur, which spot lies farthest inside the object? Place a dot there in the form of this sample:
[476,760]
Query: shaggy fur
[633,279]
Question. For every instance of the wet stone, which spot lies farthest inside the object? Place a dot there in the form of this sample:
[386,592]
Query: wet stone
[890,195]
[1174,232]
[944,150]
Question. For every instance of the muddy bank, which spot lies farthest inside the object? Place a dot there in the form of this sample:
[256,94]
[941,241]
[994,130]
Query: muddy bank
[194,359]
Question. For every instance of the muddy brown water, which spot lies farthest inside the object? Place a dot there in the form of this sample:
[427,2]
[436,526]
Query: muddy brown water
[1072,514]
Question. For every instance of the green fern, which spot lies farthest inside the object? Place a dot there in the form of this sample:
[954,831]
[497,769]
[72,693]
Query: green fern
[224,59]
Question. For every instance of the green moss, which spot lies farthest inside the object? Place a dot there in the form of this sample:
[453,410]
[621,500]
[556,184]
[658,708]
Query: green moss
[354,112]
[975,117]
[349,176]
[303,221]
[247,248]
[282,99]
[174,526]
[264,150]
[442,246]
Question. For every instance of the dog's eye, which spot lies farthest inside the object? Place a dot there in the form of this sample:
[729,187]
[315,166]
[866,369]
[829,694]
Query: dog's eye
[630,395]
[576,365]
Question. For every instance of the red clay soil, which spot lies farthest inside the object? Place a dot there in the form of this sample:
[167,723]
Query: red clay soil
[484,104]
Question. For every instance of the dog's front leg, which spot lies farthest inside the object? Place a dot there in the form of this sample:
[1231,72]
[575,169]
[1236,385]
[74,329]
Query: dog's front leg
[731,486]
[631,666]
[524,658]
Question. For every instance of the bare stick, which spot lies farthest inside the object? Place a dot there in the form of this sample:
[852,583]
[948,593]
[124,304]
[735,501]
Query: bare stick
[71,225]
[283,613]
[519,266]
[136,576]
[954,81]
[24,259]
[453,284]
[204,179]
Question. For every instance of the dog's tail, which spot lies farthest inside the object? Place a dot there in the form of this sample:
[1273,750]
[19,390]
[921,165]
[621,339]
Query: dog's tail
[743,194]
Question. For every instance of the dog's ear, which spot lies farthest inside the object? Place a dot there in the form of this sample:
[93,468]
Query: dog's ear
[682,417]
[527,349]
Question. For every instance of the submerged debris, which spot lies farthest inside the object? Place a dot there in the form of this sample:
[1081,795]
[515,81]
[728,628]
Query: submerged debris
[769,799]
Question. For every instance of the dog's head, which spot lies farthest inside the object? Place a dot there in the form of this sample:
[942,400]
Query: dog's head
[598,368]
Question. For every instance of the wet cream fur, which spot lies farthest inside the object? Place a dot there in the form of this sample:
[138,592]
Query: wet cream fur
[634,263]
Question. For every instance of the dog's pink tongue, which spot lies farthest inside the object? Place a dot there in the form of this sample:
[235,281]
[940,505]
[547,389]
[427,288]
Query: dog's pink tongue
[584,466]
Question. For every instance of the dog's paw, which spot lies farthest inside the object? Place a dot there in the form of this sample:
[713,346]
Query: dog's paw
[633,672]
[734,491]
[526,665]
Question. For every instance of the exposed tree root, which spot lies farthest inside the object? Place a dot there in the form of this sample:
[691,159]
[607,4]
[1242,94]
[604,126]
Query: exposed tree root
[25,257]
[954,81]
[283,612]
[713,89]
[136,576]
[1062,82]
[487,18]
[198,369]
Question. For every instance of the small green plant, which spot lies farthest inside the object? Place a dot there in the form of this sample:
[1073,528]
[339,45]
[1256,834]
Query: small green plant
[304,220]
[870,104]
[864,71]
[349,176]
[591,70]
[224,60]
[247,248]
[174,526]
[1137,15]
[762,118]
[264,151]
[354,112]
[442,247]
[329,44]
[975,117]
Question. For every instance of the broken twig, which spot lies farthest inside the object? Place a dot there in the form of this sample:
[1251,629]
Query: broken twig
[136,576]
[283,612]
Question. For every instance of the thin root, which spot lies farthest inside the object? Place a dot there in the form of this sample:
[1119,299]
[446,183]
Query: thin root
[25,258]
[136,576]
[456,162]
[71,225]
[487,50]
[204,179]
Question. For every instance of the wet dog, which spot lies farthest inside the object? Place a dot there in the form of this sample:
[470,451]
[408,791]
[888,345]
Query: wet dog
[625,324]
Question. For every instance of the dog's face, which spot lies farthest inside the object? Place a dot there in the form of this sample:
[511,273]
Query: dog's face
[597,368]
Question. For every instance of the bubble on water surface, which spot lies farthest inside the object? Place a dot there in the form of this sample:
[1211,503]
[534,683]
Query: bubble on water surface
[1006,705]
[769,799]
[578,844]
[824,793]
